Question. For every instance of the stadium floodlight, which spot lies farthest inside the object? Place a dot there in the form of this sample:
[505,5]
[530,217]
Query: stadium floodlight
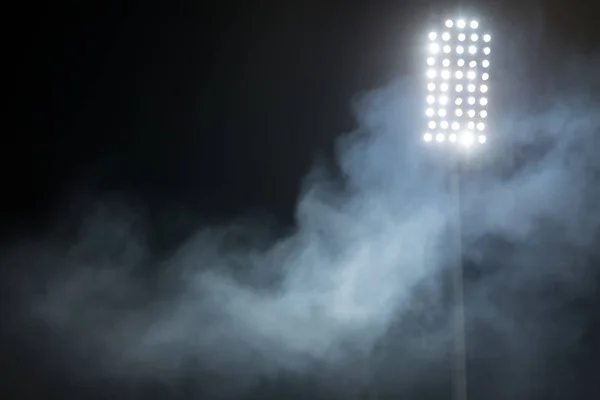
[457,119]
[456,66]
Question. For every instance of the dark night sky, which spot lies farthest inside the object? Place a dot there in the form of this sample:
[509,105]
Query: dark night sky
[216,108]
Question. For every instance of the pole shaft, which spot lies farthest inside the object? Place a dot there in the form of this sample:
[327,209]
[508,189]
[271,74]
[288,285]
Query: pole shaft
[459,358]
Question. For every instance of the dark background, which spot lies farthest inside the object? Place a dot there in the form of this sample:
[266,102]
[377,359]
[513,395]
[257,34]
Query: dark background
[218,107]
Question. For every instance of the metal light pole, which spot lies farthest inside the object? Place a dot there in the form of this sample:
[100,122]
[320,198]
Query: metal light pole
[457,71]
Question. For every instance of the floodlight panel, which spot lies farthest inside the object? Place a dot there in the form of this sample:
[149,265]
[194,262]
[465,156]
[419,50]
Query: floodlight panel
[458,72]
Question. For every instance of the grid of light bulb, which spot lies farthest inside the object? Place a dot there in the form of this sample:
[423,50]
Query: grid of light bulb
[457,83]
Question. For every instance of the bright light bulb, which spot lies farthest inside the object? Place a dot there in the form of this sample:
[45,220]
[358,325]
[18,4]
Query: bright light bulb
[431,125]
[446,74]
[452,137]
[472,49]
[432,35]
[459,88]
[460,49]
[447,49]
[443,100]
[434,47]
[427,137]
[444,124]
[431,73]
[486,50]
[430,61]
[429,112]
[440,137]
[472,64]
[430,99]
[449,23]
[459,74]
[471,100]
[444,87]
[460,23]
[458,112]
[480,126]
[471,75]
[446,62]
[458,101]
[442,112]
[483,114]
[474,37]
[485,63]
[455,126]
[445,36]
[483,88]
[467,139]
[431,86]
[483,101]
[471,88]
[460,62]
[461,37]
[471,113]
[474,24]
[485,76]
[482,139]
[487,38]
[471,125]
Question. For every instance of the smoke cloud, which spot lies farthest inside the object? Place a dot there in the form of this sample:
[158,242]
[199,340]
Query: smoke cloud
[356,291]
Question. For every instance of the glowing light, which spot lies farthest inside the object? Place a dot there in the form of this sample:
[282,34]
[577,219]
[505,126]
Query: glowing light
[471,113]
[440,137]
[471,88]
[455,126]
[480,126]
[430,61]
[485,76]
[449,23]
[447,49]
[458,112]
[487,38]
[461,37]
[482,139]
[444,87]
[460,62]
[467,138]
[474,37]
[442,112]
[486,50]
[443,100]
[458,101]
[446,62]
[431,86]
[445,36]
[483,114]
[472,49]
[471,125]
[427,137]
[474,24]
[483,88]
[471,100]
[473,64]
[432,35]
[452,137]
[460,24]
[483,101]
[460,49]
[431,125]
[471,75]
[434,48]
[429,112]
[431,73]
[459,74]
[444,124]
[485,63]
[446,74]
[459,88]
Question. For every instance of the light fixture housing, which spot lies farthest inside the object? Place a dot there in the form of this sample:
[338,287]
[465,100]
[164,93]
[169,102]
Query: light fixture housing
[457,69]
